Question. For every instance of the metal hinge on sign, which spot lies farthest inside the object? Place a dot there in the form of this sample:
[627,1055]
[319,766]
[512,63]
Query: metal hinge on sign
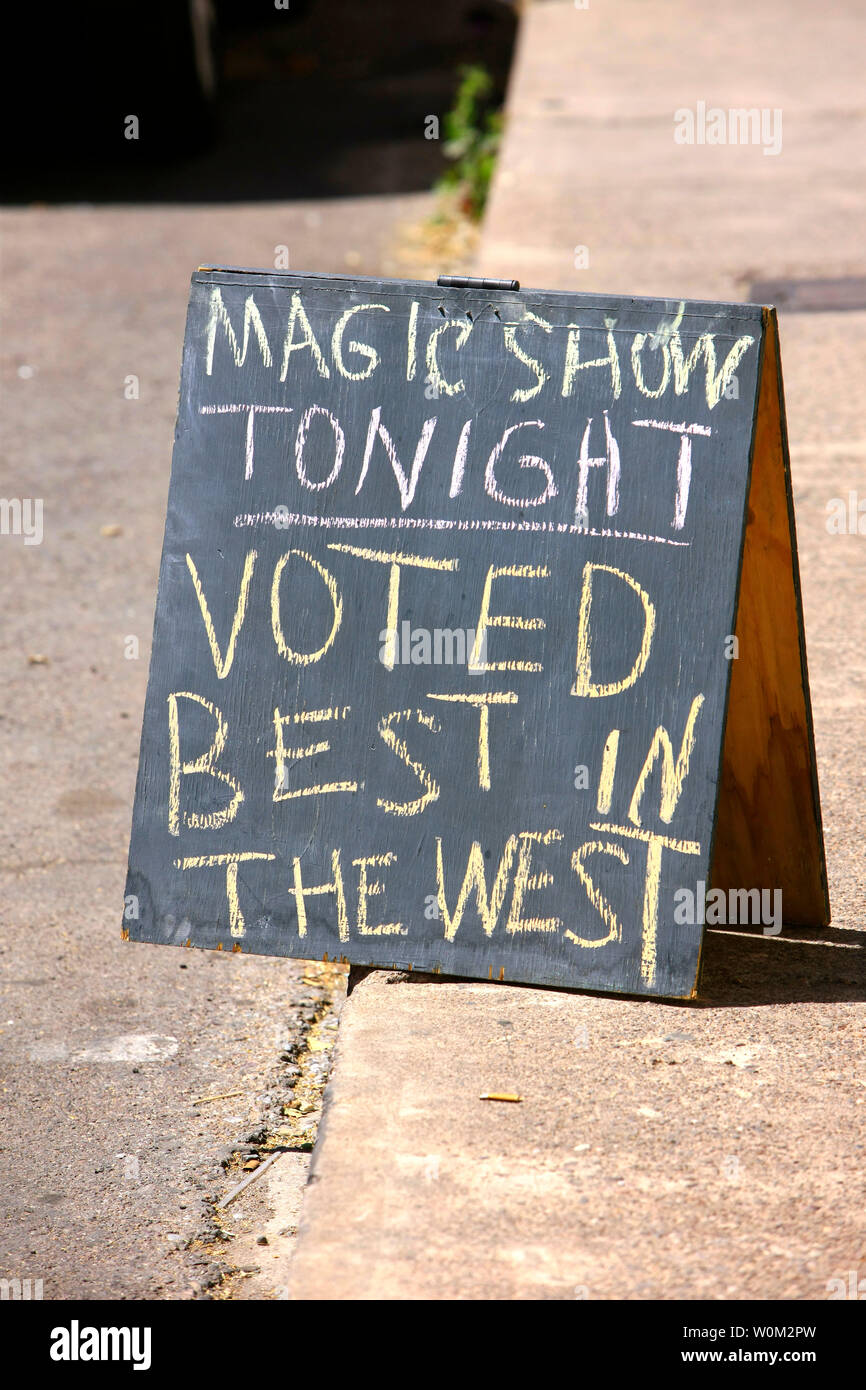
[471,282]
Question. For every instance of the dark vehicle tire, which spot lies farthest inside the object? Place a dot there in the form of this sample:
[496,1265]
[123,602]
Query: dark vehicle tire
[172,86]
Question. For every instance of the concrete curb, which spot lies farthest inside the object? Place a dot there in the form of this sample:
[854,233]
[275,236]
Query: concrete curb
[661,1150]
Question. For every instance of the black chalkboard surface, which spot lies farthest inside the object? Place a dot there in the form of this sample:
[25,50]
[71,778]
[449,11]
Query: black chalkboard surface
[478,643]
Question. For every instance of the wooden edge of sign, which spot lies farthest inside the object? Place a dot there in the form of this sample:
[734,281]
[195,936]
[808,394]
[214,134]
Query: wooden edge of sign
[768,827]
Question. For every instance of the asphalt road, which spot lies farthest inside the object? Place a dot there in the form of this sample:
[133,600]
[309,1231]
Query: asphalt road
[105,1162]
[108,1167]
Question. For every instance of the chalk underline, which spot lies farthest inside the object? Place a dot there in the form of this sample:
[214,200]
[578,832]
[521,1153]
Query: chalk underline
[430,523]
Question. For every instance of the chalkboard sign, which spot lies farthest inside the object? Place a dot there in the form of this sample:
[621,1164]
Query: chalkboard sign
[478,643]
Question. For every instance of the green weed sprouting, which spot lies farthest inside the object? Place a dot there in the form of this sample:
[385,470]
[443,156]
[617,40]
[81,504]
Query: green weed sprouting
[473,130]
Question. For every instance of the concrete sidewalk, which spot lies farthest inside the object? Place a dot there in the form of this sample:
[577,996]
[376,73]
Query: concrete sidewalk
[661,1150]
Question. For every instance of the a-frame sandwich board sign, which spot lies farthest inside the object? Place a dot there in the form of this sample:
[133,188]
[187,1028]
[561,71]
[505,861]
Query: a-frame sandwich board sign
[478,644]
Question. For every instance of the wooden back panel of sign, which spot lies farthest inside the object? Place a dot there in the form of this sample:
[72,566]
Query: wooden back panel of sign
[768,830]
[442,651]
